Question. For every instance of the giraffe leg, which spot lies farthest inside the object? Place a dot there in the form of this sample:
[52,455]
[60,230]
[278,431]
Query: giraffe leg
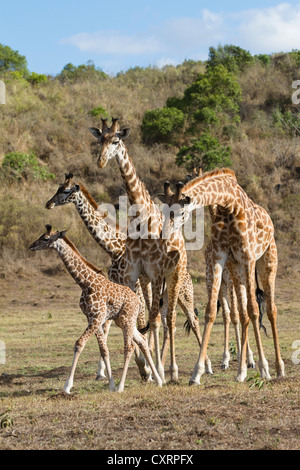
[128,350]
[234,316]
[166,340]
[101,364]
[105,355]
[147,292]
[154,320]
[186,303]
[174,283]
[145,371]
[226,321]
[211,311]
[141,341]
[253,313]
[79,345]
[240,294]
[267,267]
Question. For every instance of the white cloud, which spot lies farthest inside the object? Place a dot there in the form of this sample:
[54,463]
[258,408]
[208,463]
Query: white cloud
[273,29]
[114,43]
[262,30]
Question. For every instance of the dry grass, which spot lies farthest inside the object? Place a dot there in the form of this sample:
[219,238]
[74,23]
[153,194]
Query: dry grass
[39,325]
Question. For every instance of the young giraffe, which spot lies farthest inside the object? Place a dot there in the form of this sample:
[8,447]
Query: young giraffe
[100,300]
[242,237]
[113,242]
[149,255]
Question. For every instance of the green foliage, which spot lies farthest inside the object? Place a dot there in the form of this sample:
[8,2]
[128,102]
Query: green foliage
[36,78]
[6,420]
[19,165]
[234,58]
[73,73]
[295,56]
[205,152]
[210,102]
[11,60]
[99,112]
[214,96]
[286,121]
[255,381]
[264,59]
[160,124]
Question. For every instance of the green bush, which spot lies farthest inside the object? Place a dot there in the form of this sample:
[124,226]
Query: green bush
[99,112]
[234,58]
[264,59]
[205,152]
[160,124]
[36,78]
[19,165]
[287,121]
[73,73]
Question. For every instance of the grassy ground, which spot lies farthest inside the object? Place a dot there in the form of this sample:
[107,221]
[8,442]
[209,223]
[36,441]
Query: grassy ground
[40,322]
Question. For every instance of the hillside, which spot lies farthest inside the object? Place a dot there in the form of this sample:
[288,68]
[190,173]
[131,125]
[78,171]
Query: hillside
[50,118]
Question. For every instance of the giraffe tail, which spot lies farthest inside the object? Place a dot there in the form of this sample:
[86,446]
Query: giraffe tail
[144,330]
[187,324]
[260,299]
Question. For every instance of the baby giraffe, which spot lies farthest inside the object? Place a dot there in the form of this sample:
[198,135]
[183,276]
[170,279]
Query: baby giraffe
[100,300]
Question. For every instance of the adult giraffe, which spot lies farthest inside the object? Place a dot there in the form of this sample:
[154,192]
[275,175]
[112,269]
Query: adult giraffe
[242,237]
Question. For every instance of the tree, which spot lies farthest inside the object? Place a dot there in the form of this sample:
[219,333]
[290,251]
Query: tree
[11,61]
[161,124]
[205,152]
[234,58]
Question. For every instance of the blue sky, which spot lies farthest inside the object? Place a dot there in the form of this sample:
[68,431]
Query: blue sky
[119,34]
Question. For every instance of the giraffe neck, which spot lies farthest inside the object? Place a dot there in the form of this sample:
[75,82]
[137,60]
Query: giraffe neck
[111,240]
[218,191]
[137,193]
[79,268]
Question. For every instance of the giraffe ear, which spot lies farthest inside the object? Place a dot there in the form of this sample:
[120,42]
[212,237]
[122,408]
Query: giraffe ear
[96,132]
[124,133]
[62,234]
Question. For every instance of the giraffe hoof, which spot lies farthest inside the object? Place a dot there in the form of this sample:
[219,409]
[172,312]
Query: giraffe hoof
[251,365]
[194,383]
[225,366]
[100,377]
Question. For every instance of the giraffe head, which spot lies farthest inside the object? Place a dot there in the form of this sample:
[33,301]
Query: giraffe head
[65,193]
[176,208]
[110,139]
[47,239]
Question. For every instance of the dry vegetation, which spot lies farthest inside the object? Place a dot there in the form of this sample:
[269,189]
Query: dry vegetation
[39,316]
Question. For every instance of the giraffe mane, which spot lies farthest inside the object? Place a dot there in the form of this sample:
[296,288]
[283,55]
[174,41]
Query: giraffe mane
[88,196]
[90,265]
[209,174]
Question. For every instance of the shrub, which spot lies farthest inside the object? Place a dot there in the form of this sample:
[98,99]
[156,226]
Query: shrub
[205,152]
[99,111]
[161,123]
[234,58]
[287,121]
[19,165]
[36,78]
[73,73]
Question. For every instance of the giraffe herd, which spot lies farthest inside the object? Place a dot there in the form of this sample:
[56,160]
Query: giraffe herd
[151,271]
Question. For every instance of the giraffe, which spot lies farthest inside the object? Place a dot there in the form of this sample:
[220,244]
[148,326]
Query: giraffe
[149,255]
[242,238]
[100,300]
[228,313]
[113,242]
